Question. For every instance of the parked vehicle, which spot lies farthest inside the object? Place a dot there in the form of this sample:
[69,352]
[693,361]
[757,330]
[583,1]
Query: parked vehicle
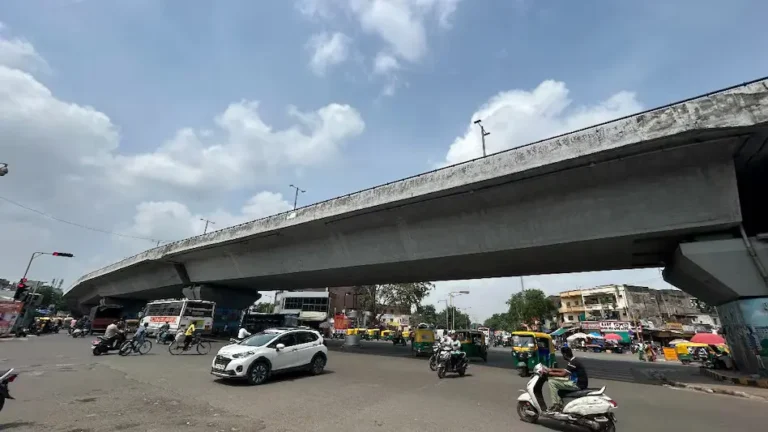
[590,408]
[6,377]
[272,351]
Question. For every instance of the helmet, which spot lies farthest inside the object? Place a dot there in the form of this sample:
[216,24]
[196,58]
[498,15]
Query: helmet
[538,369]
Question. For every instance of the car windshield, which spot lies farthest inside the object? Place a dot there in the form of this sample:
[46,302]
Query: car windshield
[258,339]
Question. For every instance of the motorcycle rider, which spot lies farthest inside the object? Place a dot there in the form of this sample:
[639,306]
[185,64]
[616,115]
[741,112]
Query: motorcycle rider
[111,333]
[572,378]
[456,352]
[162,331]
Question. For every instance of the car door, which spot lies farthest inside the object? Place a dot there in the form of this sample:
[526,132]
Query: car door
[306,343]
[286,357]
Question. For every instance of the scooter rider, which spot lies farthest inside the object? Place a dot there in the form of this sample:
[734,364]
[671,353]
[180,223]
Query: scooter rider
[456,352]
[572,378]
[111,333]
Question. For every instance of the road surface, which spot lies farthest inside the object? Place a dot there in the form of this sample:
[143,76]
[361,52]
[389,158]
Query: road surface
[64,388]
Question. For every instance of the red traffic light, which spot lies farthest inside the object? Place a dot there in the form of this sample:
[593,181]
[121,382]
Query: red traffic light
[62,254]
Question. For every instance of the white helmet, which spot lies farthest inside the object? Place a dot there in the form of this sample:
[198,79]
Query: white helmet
[538,369]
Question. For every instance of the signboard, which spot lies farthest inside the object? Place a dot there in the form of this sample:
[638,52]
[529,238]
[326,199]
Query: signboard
[609,326]
[670,354]
[163,319]
[340,322]
[9,312]
[606,326]
[674,326]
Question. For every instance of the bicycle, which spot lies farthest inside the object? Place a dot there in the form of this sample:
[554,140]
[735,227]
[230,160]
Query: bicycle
[202,347]
[132,346]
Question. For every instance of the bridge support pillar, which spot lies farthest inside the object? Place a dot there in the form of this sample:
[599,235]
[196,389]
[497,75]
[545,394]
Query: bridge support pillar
[223,296]
[730,273]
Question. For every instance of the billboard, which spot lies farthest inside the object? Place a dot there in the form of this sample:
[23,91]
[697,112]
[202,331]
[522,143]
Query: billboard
[9,312]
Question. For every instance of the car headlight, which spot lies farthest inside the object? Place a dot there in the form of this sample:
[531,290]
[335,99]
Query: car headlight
[244,354]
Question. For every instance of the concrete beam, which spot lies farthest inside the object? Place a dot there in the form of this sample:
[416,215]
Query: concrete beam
[719,271]
[738,110]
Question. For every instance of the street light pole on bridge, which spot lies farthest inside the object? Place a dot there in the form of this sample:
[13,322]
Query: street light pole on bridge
[296,195]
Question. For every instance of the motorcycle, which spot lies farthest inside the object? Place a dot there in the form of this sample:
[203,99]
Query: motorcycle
[6,377]
[591,408]
[102,345]
[434,356]
[165,337]
[446,363]
[78,332]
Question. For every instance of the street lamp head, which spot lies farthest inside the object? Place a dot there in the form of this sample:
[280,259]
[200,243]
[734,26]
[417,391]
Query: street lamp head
[463,292]
[477,121]
[62,254]
[3,169]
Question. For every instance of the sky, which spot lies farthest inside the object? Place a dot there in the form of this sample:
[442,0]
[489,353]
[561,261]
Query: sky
[133,120]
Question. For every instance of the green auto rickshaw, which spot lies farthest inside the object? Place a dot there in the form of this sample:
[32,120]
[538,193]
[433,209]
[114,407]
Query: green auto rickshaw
[473,344]
[423,341]
[530,349]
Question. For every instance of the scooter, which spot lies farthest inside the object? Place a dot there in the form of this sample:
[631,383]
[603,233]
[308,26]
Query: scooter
[446,363]
[165,337]
[434,356]
[591,408]
[101,346]
[78,332]
[6,377]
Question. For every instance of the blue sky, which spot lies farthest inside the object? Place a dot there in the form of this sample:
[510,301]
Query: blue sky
[150,120]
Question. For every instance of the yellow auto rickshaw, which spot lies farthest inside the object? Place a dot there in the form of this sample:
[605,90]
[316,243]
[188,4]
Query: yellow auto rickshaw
[688,352]
[355,331]
[386,335]
[530,349]
[423,340]
[473,344]
[371,334]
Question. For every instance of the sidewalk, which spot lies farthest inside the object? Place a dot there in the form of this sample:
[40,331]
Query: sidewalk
[735,378]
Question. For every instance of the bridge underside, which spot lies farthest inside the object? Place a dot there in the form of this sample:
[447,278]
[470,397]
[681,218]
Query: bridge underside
[627,212]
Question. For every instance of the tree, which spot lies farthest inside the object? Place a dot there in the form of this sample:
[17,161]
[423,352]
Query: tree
[530,307]
[425,314]
[460,320]
[52,296]
[403,297]
[501,321]
[264,307]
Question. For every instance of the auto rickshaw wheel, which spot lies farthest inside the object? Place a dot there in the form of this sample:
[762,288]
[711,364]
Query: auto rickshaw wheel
[522,408]
[524,372]
[685,362]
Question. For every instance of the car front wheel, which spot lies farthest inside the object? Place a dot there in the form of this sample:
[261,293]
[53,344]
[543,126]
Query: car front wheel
[317,366]
[258,373]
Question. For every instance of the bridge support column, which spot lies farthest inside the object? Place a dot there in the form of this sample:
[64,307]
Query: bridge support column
[223,296]
[730,274]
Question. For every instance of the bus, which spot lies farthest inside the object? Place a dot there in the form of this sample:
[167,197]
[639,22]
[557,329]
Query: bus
[178,314]
[487,332]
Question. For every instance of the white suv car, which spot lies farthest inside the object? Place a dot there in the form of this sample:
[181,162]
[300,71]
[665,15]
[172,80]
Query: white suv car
[272,351]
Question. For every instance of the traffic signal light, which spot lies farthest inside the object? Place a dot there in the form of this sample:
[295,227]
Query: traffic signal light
[21,289]
[62,254]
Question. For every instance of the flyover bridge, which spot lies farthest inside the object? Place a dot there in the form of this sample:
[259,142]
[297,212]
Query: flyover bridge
[682,186]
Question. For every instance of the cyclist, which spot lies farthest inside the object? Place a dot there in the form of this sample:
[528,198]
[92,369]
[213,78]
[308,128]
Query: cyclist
[140,334]
[189,335]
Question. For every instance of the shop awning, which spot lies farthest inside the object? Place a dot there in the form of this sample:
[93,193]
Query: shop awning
[559,332]
[624,336]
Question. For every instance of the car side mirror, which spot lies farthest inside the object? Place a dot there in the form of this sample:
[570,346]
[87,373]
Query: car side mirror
[279,347]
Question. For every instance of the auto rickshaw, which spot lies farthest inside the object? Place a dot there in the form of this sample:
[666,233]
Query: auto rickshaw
[386,335]
[423,340]
[473,343]
[372,334]
[694,352]
[131,325]
[355,331]
[530,349]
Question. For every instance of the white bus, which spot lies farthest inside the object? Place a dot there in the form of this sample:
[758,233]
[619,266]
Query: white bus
[179,313]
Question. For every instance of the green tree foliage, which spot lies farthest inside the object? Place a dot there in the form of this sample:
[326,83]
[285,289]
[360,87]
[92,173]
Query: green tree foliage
[425,314]
[403,297]
[501,321]
[52,296]
[265,307]
[528,306]
[460,320]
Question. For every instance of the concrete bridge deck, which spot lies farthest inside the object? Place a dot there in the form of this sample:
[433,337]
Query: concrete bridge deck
[622,194]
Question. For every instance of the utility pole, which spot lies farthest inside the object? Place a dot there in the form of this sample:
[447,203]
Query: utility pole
[205,230]
[483,134]
[296,195]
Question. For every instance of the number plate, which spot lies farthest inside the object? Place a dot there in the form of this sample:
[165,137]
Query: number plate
[218,367]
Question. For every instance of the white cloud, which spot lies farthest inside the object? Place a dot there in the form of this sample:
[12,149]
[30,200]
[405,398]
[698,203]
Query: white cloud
[66,160]
[400,24]
[20,54]
[518,117]
[173,220]
[328,50]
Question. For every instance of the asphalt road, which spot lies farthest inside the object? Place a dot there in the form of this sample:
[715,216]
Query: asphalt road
[64,388]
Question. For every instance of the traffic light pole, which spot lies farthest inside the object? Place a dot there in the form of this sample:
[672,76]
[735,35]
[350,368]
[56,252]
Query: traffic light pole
[29,264]
[37,254]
